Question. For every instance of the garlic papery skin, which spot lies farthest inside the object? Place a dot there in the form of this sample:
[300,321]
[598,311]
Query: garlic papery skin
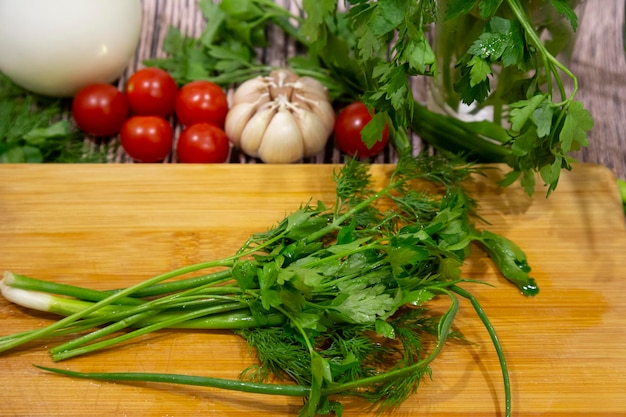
[281,118]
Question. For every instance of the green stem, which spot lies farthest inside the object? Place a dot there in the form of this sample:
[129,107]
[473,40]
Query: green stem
[445,327]
[621,185]
[549,60]
[184,284]
[26,283]
[229,384]
[447,133]
[496,343]
[134,315]
[11,343]
[46,331]
[68,350]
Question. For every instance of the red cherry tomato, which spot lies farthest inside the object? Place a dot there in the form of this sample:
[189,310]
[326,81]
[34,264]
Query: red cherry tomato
[201,102]
[350,121]
[202,143]
[151,92]
[147,138]
[100,109]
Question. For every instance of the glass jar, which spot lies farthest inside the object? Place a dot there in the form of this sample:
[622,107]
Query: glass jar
[452,39]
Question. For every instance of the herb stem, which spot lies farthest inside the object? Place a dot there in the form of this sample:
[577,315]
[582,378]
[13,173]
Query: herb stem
[445,133]
[26,283]
[496,343]
[229,384]
[549,60]
[46,331]
[69,349]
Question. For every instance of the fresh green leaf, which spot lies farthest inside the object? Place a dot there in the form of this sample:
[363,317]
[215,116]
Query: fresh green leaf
[373,131]
[365,305]
[542,118]
[385,329]
[474,83]
[21,154]
[318,11]
[550,173]
[419,297]
[245,272]
[387,16]
[528,182]
[419,54]
[479,71]
[458,8]
[215,16]
[488,7]
[526,143]
[39,135]
[523,110]
[578,122]
[564,7]
[239,9]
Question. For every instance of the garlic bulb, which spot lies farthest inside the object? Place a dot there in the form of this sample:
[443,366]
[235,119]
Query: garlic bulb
[280,118]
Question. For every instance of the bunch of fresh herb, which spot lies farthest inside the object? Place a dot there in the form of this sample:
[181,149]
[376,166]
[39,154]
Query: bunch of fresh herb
[372,51]
[34,128]
[390,46]
[334,299]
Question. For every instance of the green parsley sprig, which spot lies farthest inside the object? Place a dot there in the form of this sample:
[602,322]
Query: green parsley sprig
[546,123]
[389,47]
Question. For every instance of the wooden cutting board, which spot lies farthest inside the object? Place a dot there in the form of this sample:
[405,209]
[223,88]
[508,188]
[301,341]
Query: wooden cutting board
[106,226]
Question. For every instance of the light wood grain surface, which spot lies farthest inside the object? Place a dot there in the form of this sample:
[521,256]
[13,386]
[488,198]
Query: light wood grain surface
[111,225]
[598,61]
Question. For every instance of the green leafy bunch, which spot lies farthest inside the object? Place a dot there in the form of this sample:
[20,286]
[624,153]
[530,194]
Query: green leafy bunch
[390,47]
[227,50]
[335,300]
[545,125]
[34,129]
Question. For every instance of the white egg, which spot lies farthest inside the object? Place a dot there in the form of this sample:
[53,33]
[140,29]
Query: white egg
[56,47]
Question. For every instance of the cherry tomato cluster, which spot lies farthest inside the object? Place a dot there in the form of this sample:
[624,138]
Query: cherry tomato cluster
[139,114]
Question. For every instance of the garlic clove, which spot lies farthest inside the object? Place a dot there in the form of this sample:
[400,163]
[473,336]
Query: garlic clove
[282,142]
[254,131]
[313,130]
[326,113]
[311,88]
[251,91]
[236,120]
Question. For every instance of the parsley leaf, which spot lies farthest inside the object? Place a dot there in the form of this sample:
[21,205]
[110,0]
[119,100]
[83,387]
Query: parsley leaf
[458,8]
[564,7]
[488,7]
[523,110]
[578,121]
